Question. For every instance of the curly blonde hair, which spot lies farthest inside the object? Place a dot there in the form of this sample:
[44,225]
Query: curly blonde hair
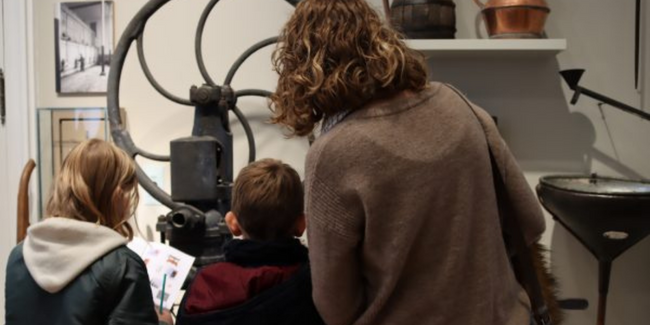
[97,183]
[336,56]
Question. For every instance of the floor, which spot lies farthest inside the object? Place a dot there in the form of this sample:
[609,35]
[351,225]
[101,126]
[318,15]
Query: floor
[88,81]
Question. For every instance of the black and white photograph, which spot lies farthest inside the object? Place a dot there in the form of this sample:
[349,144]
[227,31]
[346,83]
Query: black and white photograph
[83,46]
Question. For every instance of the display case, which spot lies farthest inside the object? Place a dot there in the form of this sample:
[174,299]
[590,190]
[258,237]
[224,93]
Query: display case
[60,130]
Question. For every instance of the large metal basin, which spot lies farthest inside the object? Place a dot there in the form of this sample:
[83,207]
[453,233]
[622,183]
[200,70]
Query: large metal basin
[608,215]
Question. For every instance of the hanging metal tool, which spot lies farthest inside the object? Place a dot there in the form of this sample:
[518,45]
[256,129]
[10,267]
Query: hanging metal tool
[3,109]
[637,43]
[572,78]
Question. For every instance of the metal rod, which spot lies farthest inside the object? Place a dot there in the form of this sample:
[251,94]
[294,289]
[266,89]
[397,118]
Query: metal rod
[3,109]
[152,80]
[198,42]
[249,133]
[131,33]
[152,156]
[120,135]
[256,47]
[161,196]
[614,103]
[637,43]
[253,92]
[604,272]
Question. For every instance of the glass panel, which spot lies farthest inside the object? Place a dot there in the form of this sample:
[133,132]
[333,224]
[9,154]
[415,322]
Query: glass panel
[60,130]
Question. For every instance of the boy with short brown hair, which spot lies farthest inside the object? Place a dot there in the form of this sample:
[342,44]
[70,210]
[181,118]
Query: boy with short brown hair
[265,278]
[267,202]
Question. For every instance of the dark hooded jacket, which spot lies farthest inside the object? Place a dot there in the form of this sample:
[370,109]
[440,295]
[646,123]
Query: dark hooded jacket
[70,272]
[259,283]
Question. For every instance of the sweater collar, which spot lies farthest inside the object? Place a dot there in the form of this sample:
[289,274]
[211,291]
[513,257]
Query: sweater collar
[251,253]
[332,121]
[392,105]
[400,102]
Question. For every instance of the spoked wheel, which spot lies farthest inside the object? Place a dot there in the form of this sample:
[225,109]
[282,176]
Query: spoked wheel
[201,164]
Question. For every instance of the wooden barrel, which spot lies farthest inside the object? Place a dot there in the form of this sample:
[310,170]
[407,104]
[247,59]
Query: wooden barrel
[420,19]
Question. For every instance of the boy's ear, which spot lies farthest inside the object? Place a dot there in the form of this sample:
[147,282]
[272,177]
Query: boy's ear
[300,226]
[233,224]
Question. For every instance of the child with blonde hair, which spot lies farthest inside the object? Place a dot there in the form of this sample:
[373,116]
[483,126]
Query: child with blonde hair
[73,267]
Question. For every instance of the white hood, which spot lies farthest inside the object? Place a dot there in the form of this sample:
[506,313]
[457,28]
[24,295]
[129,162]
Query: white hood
[57,250]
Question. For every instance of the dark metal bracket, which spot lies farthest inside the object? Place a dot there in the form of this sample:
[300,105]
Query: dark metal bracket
[3,108]
[572,78]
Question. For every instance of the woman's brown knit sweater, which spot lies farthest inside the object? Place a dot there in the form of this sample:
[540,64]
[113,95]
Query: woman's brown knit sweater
[403,226]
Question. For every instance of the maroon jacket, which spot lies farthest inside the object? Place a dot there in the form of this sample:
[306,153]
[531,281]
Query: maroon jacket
[259,283]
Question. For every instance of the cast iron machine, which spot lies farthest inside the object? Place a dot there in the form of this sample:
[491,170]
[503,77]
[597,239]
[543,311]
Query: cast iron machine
[201,164]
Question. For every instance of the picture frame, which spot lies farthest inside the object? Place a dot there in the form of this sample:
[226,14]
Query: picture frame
[84,40]
[58,131]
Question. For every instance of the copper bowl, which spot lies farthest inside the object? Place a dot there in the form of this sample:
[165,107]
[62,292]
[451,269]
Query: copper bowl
[515,18]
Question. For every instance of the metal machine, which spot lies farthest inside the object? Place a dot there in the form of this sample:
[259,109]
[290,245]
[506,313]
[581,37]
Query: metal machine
[202,163]
[607,215]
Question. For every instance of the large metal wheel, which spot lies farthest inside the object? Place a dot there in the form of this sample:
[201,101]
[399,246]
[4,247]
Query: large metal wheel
[134,32]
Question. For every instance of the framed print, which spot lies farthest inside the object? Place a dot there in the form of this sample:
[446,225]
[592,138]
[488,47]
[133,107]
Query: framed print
[83,46]
[60,130]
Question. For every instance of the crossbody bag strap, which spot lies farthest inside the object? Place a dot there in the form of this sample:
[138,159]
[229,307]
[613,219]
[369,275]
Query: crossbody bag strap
[522,261]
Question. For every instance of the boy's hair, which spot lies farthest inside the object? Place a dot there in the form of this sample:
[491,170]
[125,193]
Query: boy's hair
[267,199]
[97,183]
[336,56]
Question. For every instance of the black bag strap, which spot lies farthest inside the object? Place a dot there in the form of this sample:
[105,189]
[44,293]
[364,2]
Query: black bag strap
[522,261]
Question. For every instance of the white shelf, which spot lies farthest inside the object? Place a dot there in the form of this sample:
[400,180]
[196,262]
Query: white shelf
[488,48]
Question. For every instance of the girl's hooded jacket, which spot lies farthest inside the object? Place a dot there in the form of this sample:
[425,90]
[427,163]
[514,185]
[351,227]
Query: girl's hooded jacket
[70,272]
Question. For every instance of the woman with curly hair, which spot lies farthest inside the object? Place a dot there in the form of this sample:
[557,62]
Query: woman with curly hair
[403,224]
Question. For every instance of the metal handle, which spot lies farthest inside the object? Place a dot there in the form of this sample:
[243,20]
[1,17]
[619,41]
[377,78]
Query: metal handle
[479,3]
[3,110]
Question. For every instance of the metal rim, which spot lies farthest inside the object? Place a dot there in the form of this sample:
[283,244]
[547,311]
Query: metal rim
[198,42]
[242,58]
[546,181]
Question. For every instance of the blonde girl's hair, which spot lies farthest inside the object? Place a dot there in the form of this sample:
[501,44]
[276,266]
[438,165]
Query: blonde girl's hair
[336,56]
[97,183]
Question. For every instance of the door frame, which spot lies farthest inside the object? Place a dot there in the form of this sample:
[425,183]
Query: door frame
[19,102]
[20,110]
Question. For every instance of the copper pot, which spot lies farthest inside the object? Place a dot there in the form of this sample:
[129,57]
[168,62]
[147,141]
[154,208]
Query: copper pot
[514,18]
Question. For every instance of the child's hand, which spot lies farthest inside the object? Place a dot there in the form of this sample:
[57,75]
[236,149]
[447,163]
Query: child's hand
[166,317]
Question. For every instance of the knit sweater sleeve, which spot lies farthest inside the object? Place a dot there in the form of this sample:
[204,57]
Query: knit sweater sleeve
[334,234]
[525,205]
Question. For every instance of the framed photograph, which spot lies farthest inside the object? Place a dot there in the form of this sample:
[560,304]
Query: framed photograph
[83,46]
[60,130]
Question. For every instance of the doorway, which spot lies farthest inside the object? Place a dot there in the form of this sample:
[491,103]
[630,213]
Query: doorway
[14,130]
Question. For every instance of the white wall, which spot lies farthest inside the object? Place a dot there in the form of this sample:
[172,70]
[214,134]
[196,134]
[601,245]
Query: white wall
[14,135]
[7,241]
[547,135]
